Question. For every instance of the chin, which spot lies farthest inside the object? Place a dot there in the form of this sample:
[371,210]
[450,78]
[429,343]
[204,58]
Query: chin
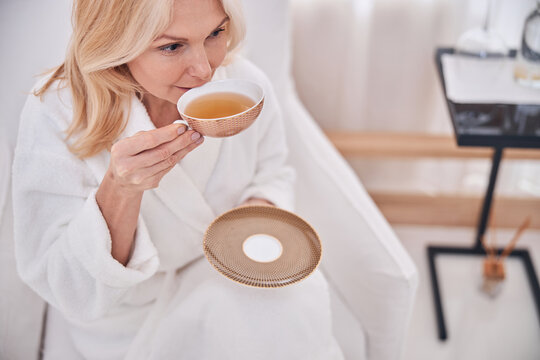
[180,91]
[175,96]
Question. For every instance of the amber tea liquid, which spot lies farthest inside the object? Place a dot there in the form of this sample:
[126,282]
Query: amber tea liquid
[218,105]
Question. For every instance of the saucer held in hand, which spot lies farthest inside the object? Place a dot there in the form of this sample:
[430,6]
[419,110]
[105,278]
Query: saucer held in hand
[262,246]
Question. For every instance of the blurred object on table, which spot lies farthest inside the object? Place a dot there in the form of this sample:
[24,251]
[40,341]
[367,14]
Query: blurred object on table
[482,41]
[527,69]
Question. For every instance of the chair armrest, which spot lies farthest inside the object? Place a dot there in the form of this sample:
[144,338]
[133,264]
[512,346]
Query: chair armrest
[362,257]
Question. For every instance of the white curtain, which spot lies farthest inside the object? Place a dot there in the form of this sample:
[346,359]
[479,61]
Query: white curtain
[369,65]
[34,36]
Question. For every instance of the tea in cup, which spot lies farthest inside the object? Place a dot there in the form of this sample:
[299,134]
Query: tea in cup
[221,108]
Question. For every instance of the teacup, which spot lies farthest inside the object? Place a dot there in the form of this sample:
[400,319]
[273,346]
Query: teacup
[221,108]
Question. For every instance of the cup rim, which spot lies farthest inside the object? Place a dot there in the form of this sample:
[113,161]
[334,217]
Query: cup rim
[257,103]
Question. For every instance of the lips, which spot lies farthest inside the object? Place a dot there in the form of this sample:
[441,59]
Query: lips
[186,88]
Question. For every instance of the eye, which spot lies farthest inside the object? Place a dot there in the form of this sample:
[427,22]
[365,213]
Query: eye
[216,32]
[171,48]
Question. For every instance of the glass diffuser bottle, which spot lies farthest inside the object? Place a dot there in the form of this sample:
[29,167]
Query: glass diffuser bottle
[483,41]
[527,68]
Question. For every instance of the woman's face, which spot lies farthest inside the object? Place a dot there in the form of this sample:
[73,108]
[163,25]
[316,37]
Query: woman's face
[187,53]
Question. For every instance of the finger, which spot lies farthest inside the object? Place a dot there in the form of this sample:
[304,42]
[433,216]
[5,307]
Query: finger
[164,151]
[173,160]
[150,139]
[167,164]
[131,165]
[154,180]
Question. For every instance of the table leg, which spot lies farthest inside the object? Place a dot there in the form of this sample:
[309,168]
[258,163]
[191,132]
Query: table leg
[439,314]
[434,251]
[486,208]
[478,250]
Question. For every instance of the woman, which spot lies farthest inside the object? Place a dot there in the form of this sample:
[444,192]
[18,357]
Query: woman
[111,198]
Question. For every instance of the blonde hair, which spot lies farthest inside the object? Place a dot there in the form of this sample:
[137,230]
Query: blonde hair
[107,34]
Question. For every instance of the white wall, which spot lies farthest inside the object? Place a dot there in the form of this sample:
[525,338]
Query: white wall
[34,36]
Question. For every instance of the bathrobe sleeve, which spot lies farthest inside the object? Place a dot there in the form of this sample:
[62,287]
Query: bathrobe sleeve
[62,242]
[274,178]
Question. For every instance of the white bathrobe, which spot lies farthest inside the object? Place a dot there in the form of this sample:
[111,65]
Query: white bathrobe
[167,302]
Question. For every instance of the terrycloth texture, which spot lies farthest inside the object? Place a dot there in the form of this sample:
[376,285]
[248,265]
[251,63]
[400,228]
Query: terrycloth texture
[21,310]
[62,241]
[239,322]
[226,319]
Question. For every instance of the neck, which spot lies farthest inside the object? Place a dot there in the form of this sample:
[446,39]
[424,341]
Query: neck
[161,112]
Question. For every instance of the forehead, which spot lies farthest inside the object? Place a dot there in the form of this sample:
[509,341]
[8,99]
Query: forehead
[195,17]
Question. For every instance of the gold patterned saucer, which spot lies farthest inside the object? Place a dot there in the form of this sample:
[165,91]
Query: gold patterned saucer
[262,246]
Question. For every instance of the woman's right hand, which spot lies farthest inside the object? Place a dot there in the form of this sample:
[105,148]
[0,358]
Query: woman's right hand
[139,162]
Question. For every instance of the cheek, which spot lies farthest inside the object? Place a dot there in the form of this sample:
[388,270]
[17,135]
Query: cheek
[139,69]
[217,52]
[153,72]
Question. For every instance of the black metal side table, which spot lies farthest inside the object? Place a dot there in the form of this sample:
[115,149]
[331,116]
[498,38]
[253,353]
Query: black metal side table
[489,125]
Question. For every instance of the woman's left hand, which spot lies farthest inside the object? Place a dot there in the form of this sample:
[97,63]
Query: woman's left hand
[257,201]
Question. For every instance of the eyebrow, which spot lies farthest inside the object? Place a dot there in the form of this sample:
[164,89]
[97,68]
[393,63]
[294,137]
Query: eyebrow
[174,38]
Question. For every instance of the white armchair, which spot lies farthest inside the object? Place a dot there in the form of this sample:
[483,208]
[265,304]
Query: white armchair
[373,280]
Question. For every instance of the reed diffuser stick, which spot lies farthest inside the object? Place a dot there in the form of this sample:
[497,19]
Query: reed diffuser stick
[508,249]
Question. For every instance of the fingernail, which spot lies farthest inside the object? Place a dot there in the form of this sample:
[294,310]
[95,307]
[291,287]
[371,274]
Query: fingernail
[195,136]
[201,139]
[181,130]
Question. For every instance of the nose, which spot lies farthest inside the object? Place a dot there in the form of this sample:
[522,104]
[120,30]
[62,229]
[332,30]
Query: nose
[199,66]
